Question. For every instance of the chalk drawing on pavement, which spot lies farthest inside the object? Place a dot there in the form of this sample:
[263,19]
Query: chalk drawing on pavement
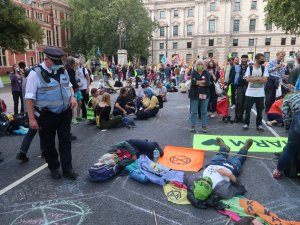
[54,212]
[72,187]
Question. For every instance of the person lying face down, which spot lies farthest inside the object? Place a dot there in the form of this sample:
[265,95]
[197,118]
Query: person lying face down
[218,180]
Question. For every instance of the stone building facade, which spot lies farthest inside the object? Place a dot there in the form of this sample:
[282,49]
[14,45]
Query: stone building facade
[214,28]
[50,14]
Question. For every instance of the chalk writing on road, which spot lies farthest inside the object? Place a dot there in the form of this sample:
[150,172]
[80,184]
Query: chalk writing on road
[54,213]
[71,186]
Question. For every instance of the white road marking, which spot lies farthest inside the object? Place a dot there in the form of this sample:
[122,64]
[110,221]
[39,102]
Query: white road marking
[21,180]
[269,128]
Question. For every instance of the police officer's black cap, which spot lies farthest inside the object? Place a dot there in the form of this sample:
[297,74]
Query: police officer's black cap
[54,54]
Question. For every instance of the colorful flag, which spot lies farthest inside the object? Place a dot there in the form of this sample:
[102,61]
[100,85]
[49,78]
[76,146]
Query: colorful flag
[88,64]
[178,58]
[163,60]
[98,52]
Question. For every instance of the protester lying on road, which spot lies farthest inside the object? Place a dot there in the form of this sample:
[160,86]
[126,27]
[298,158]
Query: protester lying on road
[219,177]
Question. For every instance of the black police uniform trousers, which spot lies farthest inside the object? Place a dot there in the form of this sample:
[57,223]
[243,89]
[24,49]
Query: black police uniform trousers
[270,91]
[240,101]
[51,124]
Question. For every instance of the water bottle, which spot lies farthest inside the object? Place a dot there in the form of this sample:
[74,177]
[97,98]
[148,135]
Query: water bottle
[156,154]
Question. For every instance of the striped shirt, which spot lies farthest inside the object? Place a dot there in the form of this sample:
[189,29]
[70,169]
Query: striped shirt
[290,106]
[275,72]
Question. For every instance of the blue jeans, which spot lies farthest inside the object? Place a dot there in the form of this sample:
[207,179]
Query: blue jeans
[293,146]
[237,161]
[177,80]
[194,111]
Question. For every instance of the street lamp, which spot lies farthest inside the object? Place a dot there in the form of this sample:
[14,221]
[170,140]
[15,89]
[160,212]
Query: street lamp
[255,47]
[167,26]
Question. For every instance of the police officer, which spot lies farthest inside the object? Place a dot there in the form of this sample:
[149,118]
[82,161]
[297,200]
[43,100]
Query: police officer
[49,98]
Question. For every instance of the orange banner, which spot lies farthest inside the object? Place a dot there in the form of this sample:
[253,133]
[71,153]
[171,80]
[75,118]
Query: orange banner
[183,159]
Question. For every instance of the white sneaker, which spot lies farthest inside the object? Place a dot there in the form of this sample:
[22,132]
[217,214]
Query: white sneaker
[232,107]
[213,115]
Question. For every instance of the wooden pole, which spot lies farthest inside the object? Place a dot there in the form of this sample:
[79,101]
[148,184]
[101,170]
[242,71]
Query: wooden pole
[247,156]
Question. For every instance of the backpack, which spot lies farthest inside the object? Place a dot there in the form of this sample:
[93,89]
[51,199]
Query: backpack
[262,70]
[103,172]
[118,84]
[83,71]
[128,122]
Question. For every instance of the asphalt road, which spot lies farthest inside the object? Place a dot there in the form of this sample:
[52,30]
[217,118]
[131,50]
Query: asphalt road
[41,200]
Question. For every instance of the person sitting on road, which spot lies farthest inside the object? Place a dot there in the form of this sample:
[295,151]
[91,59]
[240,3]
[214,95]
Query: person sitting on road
[131,90]
[275,115]
[290,157]
[121,106]
[91,105]
[219,177]
[170,86]
[162,91]
[103,117]
[150,105]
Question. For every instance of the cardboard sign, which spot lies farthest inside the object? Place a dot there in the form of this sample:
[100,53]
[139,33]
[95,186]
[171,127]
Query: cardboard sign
[260,144]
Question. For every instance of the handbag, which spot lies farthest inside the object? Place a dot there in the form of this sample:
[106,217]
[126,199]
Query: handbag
[218,88]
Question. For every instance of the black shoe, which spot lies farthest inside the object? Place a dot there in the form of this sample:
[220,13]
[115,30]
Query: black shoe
[260,128]
[236,120]
[73,138]
[55,174]
[22,157]
[71,175]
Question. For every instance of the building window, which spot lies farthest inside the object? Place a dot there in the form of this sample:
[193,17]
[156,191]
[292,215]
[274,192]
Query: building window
[211,42]
[175,45]
[188,57]
[27,13]
[49,39]
[212,26]
[161,45]
[267,56]
[253,4]
[32,61]
[162,31]
[175,30]
[41,57]
[269,27]
[162,14]
[189,45]
[252,24]
[236,25]
[268,41]
[293,41]
[283,41]
[234,54]
[57,36]
[189,29]
[176,13]
[235,42]
[251,42]
[190,12]
[212,6]
[237,6]
[3,60]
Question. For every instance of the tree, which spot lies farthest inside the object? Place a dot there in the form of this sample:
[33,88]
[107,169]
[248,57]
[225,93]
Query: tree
[16,29]
[95,23]
[284,14]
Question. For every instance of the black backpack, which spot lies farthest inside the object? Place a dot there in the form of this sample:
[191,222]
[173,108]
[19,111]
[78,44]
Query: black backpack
[118,84]
[83,70]
[103,172]
[262,70]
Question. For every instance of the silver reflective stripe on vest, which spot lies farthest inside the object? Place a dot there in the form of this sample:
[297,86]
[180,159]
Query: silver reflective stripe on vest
[54,96]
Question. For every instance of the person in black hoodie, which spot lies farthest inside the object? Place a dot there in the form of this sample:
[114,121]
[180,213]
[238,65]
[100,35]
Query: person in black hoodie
[237,78]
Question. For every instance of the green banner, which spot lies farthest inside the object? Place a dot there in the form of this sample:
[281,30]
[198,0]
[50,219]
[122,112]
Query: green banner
[260,144]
